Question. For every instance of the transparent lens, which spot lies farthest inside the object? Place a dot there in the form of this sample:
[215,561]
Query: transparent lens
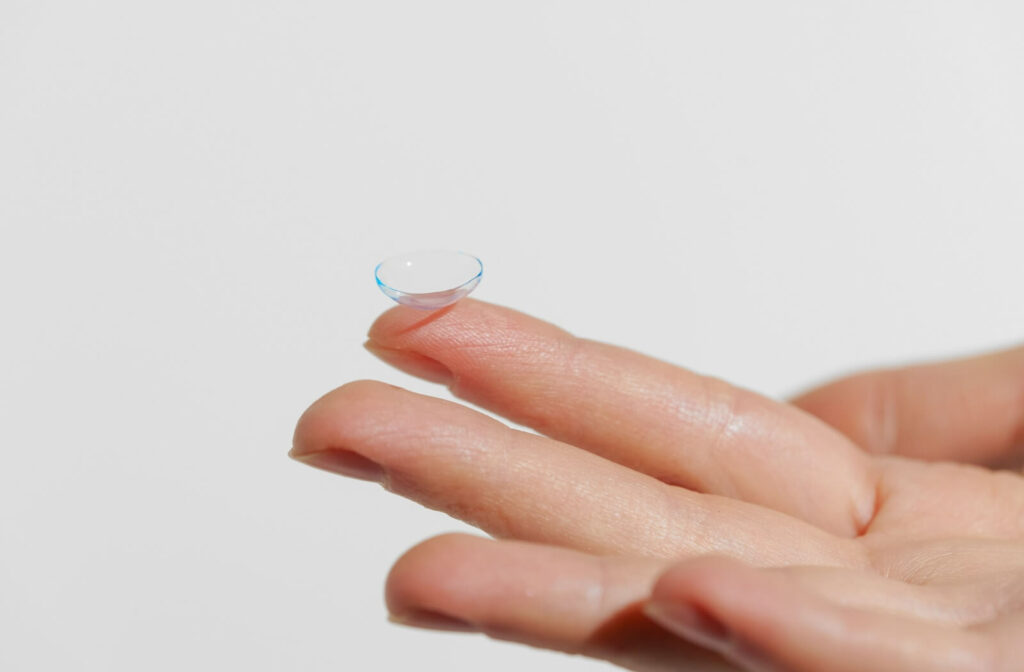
[429,280]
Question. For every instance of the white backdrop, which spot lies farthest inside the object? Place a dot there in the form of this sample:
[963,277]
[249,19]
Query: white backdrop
[193,196]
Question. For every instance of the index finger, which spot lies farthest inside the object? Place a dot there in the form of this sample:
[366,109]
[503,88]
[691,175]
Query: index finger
[678,426]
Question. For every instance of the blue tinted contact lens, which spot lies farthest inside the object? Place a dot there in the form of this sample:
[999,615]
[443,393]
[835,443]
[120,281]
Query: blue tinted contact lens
[429,280]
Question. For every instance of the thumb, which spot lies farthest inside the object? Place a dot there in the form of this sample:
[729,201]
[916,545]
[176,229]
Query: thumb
[763,620]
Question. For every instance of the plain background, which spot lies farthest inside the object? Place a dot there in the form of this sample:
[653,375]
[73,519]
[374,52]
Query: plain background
[193,196]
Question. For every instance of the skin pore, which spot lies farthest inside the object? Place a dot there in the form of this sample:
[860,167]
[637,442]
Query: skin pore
[665,520]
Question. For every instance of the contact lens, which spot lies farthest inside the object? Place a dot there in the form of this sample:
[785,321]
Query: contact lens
[429,280]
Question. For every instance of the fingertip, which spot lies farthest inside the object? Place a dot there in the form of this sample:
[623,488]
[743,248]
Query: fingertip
[721,604]
[690,621]
[328,419]
[411,362]
[468,322]
[717,588]
[690,580]
[400,320]
[391,320]
[419,577]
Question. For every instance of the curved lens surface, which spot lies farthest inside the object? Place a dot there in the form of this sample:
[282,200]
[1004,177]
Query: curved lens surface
[429,280]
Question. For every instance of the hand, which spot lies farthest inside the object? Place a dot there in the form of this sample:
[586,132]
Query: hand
[674,521]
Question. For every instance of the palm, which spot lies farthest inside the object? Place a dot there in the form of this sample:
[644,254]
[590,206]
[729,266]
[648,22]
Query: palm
[945,549]
[803,548]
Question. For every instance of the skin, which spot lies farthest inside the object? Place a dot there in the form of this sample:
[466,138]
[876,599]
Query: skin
[664,520]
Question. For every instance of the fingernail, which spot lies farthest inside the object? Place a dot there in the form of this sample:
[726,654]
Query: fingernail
[431,620]
[344,462]
[412,363]
[692,623]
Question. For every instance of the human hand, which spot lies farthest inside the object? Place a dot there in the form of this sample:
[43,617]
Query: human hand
[673,521]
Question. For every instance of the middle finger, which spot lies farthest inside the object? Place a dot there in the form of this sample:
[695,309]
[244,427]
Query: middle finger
[518,485]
